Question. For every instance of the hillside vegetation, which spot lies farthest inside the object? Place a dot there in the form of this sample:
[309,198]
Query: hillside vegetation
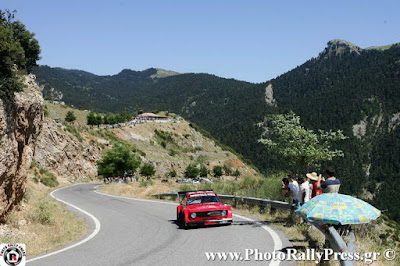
[57,110]
[168,146]
[345,88]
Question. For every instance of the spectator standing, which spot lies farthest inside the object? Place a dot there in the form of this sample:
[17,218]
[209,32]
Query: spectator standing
[304,190]
[331,184]
[124,176]
[315,183]
[285,184]
[294,189]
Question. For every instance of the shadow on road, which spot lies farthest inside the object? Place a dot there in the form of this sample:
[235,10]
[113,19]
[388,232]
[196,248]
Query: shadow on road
[254,224]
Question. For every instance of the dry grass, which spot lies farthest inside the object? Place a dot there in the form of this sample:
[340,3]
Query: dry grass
[60,111]
[135,189]
[41,223]
[189,146]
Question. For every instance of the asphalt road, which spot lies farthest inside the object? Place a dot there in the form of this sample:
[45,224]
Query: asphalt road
[138,232]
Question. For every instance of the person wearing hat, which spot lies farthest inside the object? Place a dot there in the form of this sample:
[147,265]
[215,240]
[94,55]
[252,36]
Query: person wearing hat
[315,182]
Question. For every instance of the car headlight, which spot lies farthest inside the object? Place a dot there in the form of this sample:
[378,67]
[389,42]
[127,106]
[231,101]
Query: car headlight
[224,213]
[193,215]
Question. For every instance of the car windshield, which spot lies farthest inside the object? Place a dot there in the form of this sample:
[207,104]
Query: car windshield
[202,199]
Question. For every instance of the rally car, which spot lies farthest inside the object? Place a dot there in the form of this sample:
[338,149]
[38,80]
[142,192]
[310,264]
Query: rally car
[202,207]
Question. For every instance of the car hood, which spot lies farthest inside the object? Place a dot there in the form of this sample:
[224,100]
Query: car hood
[206,207]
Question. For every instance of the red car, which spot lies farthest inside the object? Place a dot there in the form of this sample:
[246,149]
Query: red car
[202,207]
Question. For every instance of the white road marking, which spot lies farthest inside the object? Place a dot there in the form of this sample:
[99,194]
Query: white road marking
[275,237]
[130,198]
[93,234]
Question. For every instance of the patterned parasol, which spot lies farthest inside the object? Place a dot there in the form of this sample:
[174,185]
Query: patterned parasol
[333,208]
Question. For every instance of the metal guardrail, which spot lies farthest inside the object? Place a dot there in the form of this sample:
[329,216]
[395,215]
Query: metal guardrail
[274,204]
[334,238]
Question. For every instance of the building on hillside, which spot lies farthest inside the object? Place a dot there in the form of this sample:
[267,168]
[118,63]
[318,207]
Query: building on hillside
[152,117]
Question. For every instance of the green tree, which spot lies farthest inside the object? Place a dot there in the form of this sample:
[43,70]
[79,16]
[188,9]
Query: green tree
[192,171]
[203,171]
[217,170]
[28,42]
[117,160]
[98,119]
[70,116]
[172,173]
[304,149]
[91,119]
[19,51]
[236,174]
[147,170]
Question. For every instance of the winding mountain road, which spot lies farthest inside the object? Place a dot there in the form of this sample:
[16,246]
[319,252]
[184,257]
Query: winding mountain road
[125,231]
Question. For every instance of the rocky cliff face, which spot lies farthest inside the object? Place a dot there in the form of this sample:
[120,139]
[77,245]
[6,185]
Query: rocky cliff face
[64,154]
[338,48]
[20,125]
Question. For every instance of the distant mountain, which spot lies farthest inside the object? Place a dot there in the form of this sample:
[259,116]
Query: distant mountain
[344,87]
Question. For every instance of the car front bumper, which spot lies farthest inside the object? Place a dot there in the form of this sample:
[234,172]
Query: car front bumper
[207,222]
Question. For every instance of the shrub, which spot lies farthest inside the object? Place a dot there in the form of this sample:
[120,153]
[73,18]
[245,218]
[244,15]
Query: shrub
[147,170]
[228,168]
[43,213]
[217,170]
[203,171]
[49,179]
[33,165]
[163,144]
[172,152]
[186,187]
[70,116]
[45,177]
[192,171]
[202,159]
[145,183]
[172,173]
[71,129]
[46,111]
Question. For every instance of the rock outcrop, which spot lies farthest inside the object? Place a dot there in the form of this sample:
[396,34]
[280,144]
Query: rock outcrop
[64,154]
[337,48]
[20,124]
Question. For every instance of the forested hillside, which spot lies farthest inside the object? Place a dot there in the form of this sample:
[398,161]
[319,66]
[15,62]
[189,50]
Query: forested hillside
[345,87]
[227,108]
[357,91]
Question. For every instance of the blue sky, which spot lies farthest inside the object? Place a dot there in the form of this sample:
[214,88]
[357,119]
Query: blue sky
[247,40]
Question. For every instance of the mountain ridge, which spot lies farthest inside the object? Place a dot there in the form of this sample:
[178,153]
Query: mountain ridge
[338,45]
[347,88]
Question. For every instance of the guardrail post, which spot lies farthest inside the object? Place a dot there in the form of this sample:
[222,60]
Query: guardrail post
[337,242]
[261,209]
[272,210]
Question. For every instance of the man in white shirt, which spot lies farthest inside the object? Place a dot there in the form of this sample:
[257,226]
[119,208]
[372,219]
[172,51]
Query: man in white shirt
[304,191]
[294,189]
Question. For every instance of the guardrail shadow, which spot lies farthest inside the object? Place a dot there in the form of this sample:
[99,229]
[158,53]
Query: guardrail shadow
[254,224]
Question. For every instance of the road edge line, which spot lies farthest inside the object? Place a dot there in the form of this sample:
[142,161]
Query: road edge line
[93,234]
[275,237]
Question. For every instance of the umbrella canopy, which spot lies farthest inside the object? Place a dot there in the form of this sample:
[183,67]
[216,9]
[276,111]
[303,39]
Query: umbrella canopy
[334,208]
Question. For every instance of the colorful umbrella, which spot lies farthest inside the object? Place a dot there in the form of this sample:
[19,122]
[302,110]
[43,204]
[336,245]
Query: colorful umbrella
[333,208]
